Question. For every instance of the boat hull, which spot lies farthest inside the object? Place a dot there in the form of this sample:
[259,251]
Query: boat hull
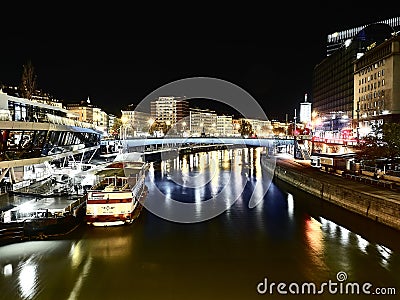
[40,228]
[114,220]
[118,197]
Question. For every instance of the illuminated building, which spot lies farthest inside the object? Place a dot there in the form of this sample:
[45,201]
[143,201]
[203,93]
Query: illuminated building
[224,125]
[305,111]
[90,113]
[170,109]
[137,123]
[336,40]
[34,134]
[333,78]
[376,86]
[202,121]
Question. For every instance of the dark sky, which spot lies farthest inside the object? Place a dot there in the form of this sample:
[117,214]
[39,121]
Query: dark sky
[272,59]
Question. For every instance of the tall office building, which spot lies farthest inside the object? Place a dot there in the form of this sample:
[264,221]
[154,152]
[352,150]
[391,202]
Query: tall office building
[224,125]
[377,87]
[333,78]
[169,109]
[337,39]
[305,111]
[202,121]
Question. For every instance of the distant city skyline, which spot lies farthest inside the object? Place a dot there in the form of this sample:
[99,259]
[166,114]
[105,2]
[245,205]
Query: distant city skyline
[272,64]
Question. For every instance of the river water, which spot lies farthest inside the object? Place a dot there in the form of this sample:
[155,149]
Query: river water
[286,245]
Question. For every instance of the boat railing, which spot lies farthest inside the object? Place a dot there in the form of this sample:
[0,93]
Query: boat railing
[75,205]
[110,183]
[137,188]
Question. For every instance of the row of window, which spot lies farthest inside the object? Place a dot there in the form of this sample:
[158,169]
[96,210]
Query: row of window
[370,96]
[374,76]
[372,67]
[30,113]
[372,113]
[372,105]
[371,86]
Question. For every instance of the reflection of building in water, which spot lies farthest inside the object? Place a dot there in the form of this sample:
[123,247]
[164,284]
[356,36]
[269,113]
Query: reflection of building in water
[117,244]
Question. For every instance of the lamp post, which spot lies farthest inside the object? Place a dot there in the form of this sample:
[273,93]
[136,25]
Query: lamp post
[294,135]
[358,122]
[124,120]
[183,128]
[150,122]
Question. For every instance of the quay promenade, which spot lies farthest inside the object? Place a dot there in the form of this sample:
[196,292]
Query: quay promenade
[380,203]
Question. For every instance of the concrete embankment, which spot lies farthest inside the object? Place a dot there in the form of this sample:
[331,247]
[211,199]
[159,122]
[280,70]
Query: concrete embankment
[381,205]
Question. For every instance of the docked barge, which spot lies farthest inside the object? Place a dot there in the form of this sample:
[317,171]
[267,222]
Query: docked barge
[118,197]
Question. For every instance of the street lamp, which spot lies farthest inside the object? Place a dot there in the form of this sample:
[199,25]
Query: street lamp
[150,121]
[358,122]
[294,135]
[168,123]
[122,132]
[183,128]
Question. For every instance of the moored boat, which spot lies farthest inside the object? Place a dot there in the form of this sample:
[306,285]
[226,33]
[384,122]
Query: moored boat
[41,219]
[117,199]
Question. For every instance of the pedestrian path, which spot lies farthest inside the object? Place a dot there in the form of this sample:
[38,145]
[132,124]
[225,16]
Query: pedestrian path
[304,167]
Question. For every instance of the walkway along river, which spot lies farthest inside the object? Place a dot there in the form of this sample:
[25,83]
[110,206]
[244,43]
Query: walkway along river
[290,237]
[377,203]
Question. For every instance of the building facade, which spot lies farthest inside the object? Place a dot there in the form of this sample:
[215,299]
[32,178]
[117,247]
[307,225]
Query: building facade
[305,111]
[333,78]
[202,122]
[336,40]
[135,123]
[170,110]
[224,126]
[89,113]
[377,87]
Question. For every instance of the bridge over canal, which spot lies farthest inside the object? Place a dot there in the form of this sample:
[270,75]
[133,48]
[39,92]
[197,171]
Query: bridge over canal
[177,142]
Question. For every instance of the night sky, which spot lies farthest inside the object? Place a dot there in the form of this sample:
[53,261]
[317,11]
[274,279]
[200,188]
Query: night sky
[271,59]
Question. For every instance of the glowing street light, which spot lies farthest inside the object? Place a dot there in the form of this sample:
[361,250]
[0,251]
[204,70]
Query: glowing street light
[150,121]
[124,121]
[183,128]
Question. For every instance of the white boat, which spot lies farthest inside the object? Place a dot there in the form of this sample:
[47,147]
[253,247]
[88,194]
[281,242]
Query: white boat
[117,199]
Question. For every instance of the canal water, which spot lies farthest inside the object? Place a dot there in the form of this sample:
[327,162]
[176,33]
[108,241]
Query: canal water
[290,244]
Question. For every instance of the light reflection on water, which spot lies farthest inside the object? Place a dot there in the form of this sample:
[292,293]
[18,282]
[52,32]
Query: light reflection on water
[289,236]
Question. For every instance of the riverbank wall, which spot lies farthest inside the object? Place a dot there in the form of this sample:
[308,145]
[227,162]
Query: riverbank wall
[374,206]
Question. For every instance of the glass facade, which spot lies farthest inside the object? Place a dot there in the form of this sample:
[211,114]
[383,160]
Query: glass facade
[333,78]
[31,130]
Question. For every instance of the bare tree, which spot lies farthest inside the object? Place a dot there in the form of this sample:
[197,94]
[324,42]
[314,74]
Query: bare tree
[28,82]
